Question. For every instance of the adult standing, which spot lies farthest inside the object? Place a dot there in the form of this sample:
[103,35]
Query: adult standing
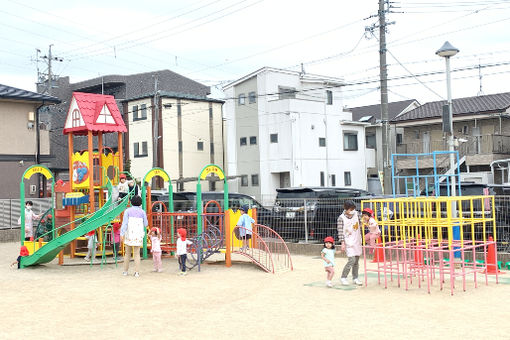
[30,217]
[132,233]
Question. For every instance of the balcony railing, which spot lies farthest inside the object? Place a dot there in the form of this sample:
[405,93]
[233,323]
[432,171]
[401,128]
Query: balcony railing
[469,145]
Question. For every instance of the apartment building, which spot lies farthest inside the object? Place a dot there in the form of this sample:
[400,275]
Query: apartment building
[288,129]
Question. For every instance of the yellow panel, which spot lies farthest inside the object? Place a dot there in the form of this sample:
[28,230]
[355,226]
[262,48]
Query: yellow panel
[212,169]
[81,170]
[234,217]
[38,170]
[33,246]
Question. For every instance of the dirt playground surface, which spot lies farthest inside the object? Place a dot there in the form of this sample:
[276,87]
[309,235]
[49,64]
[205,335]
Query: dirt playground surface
[242,302]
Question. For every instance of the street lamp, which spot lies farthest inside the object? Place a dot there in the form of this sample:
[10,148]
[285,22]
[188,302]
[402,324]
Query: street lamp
[447,51]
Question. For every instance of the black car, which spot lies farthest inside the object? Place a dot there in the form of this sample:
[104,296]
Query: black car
[310,213]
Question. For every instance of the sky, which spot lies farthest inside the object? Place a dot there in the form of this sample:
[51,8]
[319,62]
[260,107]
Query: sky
[218,41]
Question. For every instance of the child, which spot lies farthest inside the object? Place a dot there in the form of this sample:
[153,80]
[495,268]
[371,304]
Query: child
[348,226]
[132,233]
[155,236]
[116,239]
[91,245]
[182,250]
[245,230]
[22,252]
[328,256]
[123,186]
[373,229]
[30,217]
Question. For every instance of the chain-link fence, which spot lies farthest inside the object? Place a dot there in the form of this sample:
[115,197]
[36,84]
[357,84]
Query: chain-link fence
[10,210]
[311,220]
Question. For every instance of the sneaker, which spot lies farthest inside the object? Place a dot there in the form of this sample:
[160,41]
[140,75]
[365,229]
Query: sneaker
[184,273]
[181,273]
[124,273]
[137,274]
[357,282]
[344,281]
[329,284]
[86,259]
[159,270]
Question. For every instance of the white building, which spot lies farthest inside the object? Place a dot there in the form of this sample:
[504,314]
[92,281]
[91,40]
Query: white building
[286,129]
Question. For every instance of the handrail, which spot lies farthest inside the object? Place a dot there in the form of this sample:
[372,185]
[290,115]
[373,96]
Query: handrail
[269,267]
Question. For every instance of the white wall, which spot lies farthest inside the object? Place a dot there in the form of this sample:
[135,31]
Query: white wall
[140,131]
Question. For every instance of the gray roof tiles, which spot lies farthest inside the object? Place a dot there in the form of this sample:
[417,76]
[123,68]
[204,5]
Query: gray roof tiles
[491,103]
[9,92]
[394,108]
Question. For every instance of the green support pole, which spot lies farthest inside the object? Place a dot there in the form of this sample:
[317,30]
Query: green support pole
[22,210]
[199,207]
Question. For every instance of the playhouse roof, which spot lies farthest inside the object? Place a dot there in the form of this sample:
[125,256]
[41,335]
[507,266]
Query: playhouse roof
[93,112]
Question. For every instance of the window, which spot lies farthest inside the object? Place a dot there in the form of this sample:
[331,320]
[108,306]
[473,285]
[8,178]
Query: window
[322,179]
[329,97]
[244,180]
[350,141]
[242,99]
[399,139]
[322,141]
[136,149]
[253,140]
[254,180]
[370,141]
[143,109]
[273,138]
[333,180]
[417,134]
[347,178]
[465,130]
[286,92]
[200,146]
[242,141]
[135,112]
[76,118]
[252,97]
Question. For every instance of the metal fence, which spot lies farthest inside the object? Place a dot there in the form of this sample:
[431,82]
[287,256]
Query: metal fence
[10,210]
[310,221]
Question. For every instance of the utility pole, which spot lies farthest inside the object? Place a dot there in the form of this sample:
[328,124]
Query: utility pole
[386,149]
[155,121]
[47,76]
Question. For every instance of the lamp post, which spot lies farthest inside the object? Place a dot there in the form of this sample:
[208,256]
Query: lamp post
[447,51]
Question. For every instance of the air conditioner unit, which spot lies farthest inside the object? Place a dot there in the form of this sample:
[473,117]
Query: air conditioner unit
[33,189]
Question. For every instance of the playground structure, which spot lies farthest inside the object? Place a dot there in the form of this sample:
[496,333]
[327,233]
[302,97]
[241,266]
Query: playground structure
[211,227]
[86,202]
[431,237]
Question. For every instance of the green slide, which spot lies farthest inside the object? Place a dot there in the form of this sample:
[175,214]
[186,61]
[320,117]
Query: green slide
[49,251]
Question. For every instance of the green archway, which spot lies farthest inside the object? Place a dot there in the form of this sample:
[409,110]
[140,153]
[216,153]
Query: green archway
[157,172]
[210,169]
[35,169]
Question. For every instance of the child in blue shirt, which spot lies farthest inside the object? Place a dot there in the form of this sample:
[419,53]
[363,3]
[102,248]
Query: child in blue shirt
[328,256]
[245,231]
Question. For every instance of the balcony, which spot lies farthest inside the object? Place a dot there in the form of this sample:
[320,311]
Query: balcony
[474,145]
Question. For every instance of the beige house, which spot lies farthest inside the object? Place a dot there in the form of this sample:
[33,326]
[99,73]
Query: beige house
[23,141]
[190,136]
[481,127]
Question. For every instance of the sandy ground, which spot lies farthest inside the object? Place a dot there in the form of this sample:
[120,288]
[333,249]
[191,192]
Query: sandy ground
[52,302]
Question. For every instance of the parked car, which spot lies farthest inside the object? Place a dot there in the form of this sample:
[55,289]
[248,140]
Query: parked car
[311,212]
